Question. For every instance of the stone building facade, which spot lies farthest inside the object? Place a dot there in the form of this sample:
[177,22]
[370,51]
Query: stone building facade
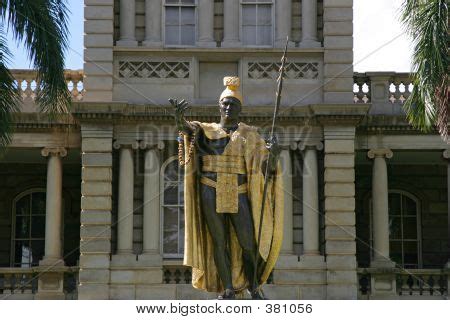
[91,204]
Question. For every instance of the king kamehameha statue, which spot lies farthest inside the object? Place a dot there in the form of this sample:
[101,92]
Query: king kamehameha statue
[232,178]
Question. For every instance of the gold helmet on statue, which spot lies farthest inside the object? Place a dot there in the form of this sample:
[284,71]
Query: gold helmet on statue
[232,88]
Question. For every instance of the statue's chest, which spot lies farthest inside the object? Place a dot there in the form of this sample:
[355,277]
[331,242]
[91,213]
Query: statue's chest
[226,145]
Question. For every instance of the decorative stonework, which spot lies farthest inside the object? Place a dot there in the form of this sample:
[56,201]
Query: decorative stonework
[59,151]
[154,69]
[380,153]
[294,70]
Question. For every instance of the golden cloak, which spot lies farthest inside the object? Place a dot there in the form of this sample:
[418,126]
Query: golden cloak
[198,246]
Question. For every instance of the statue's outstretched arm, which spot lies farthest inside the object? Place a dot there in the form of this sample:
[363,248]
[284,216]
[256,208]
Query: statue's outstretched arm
[182,124]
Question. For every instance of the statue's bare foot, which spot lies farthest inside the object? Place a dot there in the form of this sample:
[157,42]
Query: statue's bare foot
[227,295]
[257,294]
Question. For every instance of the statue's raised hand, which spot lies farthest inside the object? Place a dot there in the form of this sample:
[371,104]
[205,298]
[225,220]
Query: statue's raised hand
[180,109]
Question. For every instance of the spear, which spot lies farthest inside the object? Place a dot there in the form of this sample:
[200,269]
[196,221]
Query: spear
[271,139]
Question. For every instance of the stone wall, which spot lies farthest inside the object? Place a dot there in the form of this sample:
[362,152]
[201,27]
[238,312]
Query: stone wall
[18,178]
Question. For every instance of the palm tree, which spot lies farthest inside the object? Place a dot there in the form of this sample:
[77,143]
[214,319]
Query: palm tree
[426,21]
[41,25]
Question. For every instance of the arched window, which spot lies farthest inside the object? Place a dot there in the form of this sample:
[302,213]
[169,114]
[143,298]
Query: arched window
[404,229]
[172,209]
[28,231]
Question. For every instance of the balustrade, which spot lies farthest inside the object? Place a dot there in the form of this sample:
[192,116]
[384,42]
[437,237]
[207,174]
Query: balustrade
[418,282]
[397,87]
[26,81]
[24,281]
[177,274]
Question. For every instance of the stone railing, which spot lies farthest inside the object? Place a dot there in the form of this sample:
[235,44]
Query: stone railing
[22,283]
[412,283]
[177,274]
[386,91]
[26,82]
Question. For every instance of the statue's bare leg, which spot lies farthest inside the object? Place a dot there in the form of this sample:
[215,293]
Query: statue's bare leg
[244,227]
[217,229]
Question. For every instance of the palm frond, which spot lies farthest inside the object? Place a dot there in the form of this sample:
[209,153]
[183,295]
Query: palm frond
[42,26]
[9,94]
[426,21]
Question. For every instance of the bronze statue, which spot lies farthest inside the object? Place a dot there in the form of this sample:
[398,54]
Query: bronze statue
[225,168]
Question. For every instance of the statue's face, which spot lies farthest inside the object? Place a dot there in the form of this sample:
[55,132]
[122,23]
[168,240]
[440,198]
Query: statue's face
[230,108]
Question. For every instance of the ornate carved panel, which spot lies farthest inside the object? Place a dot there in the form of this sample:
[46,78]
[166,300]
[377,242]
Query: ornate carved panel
[154,69]
[294,70]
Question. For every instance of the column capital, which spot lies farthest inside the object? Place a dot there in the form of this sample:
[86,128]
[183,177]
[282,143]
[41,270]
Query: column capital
[126,144]
[57,151]
[309,144]
[145,145]
[380,153]
[446,154]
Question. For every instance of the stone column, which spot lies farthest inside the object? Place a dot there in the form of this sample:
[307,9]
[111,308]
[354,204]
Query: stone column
[153,13]
[126,200]
[382,284]
[206,24]
[287,247]
[50,283]
[148,269]
[309,24]
[127,23]
[151,223]
[380,214]
[446,155]
[231,24]
[283,21]
[53,210]
[311,200]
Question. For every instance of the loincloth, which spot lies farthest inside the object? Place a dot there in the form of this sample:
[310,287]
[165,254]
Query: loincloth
[227,187]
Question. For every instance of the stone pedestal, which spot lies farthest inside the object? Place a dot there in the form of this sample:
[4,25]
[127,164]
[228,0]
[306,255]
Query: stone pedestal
[50,283]
[383,282]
